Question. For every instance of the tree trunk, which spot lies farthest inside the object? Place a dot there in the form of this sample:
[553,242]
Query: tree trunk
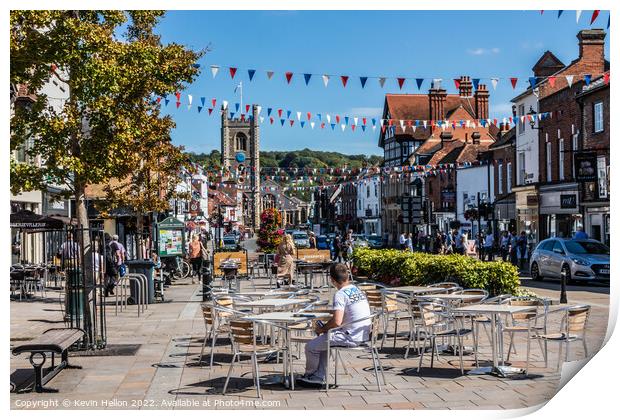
[140,235]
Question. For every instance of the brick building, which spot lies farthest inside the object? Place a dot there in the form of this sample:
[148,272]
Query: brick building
[347,217]
[558,136]
[503,154]
[411,138]
[593,101]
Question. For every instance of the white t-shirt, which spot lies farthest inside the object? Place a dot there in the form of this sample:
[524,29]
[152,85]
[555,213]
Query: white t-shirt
[353,302]
[402,239]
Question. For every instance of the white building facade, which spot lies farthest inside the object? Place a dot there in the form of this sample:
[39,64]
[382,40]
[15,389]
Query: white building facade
[369,205]
[527,164]
[470,181]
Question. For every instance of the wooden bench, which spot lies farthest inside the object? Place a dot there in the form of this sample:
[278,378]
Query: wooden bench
[55,340]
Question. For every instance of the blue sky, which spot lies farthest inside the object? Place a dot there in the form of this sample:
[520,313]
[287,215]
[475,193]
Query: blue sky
[424,44]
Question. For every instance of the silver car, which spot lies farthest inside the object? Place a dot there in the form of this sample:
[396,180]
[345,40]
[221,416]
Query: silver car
[301,239]
[581,260]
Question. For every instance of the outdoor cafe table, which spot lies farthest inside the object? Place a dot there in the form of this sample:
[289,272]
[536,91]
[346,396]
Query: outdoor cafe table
[416,290]
[449,298]
[285,319]
[308,268]
[272,303]
[494,311]
[267,293]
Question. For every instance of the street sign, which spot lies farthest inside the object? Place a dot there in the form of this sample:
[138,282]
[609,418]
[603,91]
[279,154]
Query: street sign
[585,167]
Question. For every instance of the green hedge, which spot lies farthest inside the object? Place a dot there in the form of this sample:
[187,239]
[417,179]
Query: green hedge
[415,268]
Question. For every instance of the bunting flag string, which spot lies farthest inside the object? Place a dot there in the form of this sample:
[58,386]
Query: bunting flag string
[289,77]
[595,14]
[320,178]
[352,122]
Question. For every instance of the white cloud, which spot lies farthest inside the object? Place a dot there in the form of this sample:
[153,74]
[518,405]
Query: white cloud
[483,51]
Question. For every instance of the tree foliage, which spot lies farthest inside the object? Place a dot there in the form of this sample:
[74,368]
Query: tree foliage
[109,117]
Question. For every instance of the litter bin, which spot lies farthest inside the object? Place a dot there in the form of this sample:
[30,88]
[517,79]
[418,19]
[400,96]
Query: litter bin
[142,267]
[74,298]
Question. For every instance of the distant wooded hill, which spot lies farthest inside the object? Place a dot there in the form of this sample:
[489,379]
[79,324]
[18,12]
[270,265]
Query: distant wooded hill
[305,158]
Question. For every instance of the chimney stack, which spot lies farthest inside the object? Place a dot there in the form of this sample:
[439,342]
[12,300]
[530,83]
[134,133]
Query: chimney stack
[481,98]
[437,101]
[592,48]
[465,87]
[445,136]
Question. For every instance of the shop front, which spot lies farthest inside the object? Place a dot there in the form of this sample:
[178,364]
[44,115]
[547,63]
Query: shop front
[559,211]
[527,215]
[505,214]
[597,221]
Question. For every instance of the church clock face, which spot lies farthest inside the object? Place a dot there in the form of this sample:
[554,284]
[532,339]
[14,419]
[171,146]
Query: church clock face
[240,157]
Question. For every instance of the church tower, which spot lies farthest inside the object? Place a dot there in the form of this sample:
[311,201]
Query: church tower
[240,155]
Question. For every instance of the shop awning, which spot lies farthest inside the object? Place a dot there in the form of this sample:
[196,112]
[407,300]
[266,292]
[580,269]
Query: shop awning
[28,220]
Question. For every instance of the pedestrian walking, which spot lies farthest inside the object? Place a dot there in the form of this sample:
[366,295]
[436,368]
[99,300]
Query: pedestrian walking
[522,250]
[489,241]
[195,257]
[337,248]
[504,245]
[580,234]
[111,275]
[286,260]
[409,243]
[513,248]
[121,255]
[402,240]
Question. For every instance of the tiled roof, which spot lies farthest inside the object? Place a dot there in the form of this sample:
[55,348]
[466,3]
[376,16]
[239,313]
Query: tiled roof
[470,152]
[506,138]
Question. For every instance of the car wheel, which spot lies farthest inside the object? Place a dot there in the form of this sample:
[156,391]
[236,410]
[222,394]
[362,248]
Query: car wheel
[566,272]
[535,272]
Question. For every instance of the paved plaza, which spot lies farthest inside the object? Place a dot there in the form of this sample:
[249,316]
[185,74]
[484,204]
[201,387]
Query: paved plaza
[165,373]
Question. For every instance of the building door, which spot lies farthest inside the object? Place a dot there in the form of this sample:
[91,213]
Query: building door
[596,227]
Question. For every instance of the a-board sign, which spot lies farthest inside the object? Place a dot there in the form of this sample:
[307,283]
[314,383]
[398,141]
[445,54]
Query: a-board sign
[240,257]
[314,255]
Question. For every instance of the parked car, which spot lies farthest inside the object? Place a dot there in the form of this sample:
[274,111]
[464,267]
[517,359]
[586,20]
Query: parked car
[375,242]
[301,239]
[360,241]
[230,243]
[322,242]
[580,260]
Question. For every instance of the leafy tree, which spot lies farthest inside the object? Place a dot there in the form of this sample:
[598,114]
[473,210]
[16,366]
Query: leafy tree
[153,182]
[111,76]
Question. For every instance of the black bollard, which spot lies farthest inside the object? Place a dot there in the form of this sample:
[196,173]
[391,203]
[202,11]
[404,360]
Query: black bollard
[563,298]
[207,279]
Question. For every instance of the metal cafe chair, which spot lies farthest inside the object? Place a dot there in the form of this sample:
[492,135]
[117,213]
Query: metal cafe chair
[216,324]
[572,328]
[396,307]
[243,336]
[449,287]
[528,323]
[369,346]
[436,315]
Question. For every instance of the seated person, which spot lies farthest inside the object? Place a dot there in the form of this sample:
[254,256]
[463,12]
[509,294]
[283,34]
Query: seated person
[350,304]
